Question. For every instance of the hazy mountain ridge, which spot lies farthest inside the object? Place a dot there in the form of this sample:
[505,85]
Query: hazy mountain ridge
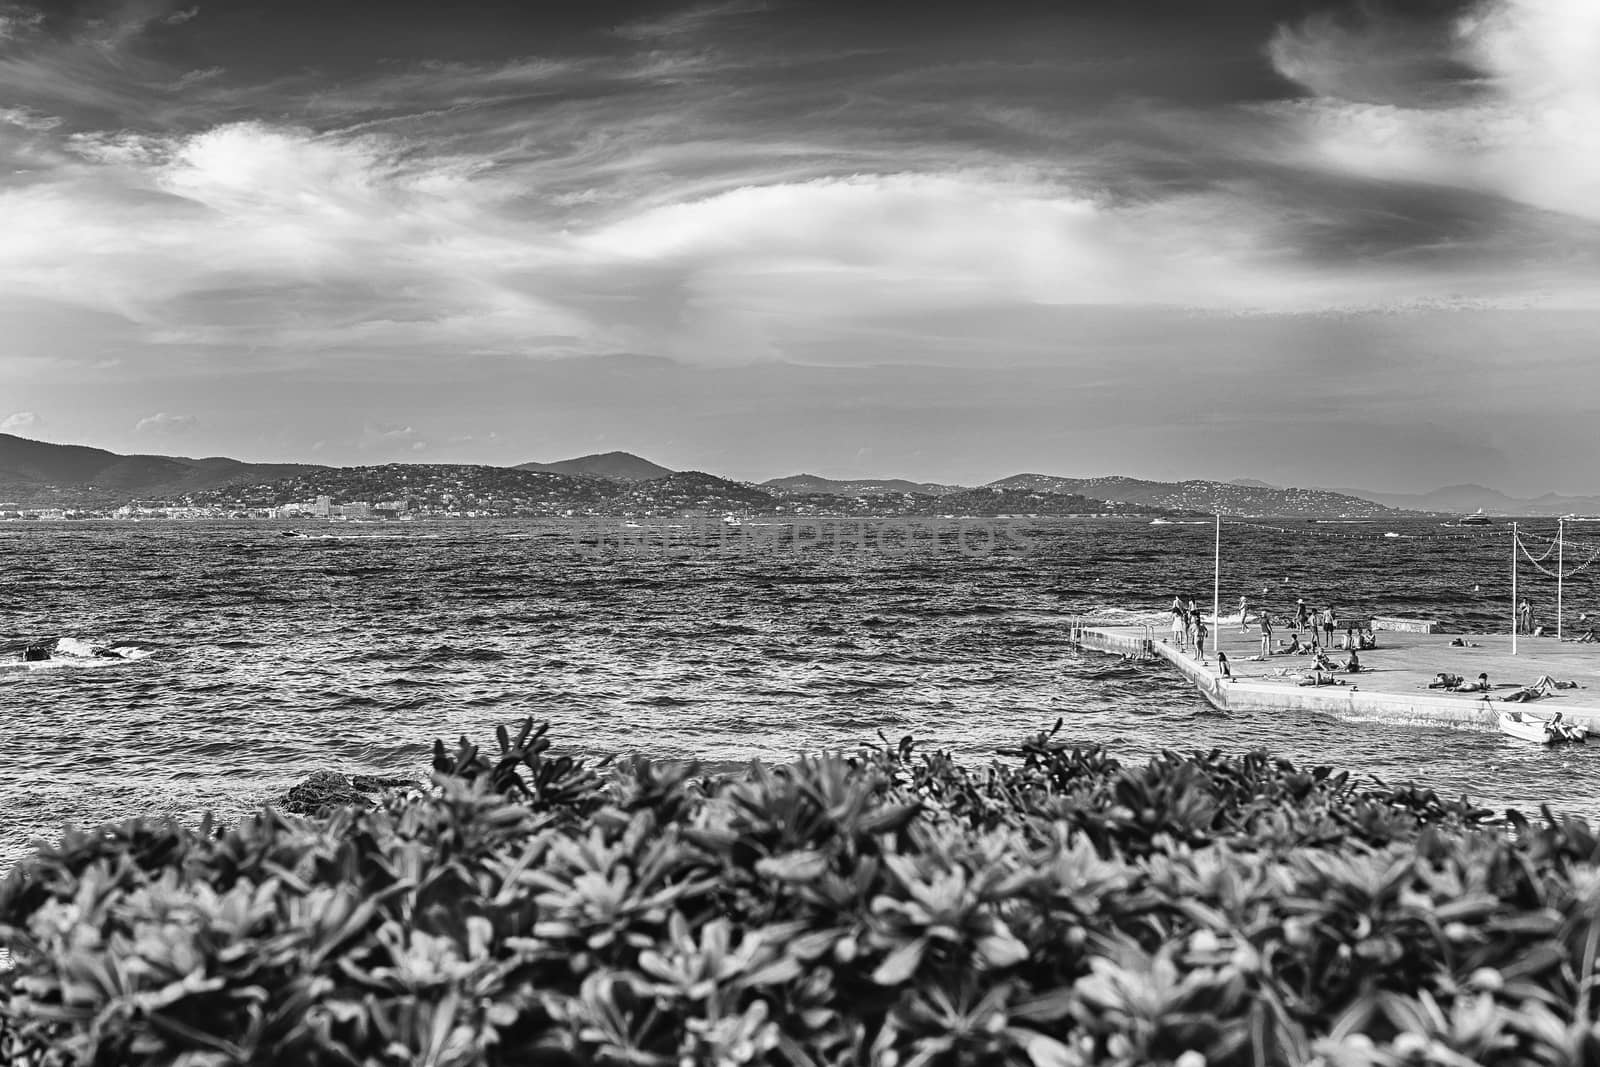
[612,466]
[1464,499]
[77,475]
[1206,497]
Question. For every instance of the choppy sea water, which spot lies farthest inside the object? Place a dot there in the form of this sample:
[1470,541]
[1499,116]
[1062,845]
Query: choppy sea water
[255,658]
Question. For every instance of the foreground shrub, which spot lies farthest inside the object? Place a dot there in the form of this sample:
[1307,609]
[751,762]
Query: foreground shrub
[1051,910]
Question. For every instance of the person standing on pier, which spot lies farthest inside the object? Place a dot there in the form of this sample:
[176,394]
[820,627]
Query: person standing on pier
[1266,636]
[1524,617]
[1200,637]
[1327,626]
[1244,614]
[1302,614]
[1180,622]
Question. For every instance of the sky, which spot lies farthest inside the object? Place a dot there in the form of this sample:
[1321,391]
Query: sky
[1312,242]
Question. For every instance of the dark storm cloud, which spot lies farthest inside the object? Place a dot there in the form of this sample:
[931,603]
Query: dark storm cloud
[398,193]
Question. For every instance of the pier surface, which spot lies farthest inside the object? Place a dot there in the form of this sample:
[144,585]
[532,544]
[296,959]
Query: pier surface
[1392,687]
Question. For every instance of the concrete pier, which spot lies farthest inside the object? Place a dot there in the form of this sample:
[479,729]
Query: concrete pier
[1393,685]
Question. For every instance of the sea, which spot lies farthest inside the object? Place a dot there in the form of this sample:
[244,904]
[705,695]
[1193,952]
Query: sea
[249,654]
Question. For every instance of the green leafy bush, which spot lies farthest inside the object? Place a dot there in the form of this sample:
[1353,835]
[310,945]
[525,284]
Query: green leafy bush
[895,908]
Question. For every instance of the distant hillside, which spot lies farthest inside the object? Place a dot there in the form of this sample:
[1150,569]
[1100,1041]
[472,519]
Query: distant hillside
[37,473]
[1226,498]
[803,484]
[613,466]
[442,486]
[1465,499]
[690,491]
[1026,500]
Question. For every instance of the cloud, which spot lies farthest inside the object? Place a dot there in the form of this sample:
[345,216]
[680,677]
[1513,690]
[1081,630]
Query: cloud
[1524,126]
[163,423]
[388,437]
[27,119]
[16,23]
[20,422]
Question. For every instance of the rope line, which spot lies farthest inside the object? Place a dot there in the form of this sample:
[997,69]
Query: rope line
[1538,565]
[1303,531]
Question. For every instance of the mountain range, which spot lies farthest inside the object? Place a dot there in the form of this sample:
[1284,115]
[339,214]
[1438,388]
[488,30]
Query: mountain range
[40,474]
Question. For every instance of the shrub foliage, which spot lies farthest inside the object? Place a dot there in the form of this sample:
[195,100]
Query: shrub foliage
[895,908]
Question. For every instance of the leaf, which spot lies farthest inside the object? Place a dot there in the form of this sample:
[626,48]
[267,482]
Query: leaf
[1044,1051]
[796,867]
[901,964]
[1047,1007]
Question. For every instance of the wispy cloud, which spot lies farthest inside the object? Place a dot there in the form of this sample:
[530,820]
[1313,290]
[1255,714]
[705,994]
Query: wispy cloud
[163,423]
[20,422]
[27,119]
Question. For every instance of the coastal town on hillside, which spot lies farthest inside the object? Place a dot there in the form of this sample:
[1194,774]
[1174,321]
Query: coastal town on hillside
[412,492]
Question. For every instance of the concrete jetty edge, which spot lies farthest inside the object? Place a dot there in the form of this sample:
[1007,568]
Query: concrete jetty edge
[1393,688]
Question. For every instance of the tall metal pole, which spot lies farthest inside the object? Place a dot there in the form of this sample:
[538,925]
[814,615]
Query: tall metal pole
[1515,618]
[1216,588]
[1561,551]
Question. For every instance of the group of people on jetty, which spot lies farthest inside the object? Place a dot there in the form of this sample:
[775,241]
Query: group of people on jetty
[1189,631]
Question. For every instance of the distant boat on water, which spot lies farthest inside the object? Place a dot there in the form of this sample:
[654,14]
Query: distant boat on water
[1477,518]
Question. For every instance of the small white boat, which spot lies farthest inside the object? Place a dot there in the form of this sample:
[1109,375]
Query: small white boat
[1540,730]
[1391,533]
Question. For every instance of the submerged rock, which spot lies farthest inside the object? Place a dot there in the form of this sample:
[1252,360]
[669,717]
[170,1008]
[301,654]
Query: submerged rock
[330,789]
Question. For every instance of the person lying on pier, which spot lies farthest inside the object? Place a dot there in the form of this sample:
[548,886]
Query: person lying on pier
[1524,694]
[1444,680]
[1320,677]
[1547,682]
[1586,638]
[1462,642]
[1480,686]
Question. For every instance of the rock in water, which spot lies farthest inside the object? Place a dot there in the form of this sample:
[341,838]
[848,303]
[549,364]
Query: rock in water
[330,789]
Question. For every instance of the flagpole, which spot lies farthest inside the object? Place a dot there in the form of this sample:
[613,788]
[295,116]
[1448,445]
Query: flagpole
[1561,551]
[1216,586]
[1514,546]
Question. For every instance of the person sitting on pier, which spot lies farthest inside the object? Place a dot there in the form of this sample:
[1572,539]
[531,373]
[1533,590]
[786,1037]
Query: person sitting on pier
[1353,664]
[1293,647]
[1368,640]
[1445,680]
[1222,665]
[1321,662]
